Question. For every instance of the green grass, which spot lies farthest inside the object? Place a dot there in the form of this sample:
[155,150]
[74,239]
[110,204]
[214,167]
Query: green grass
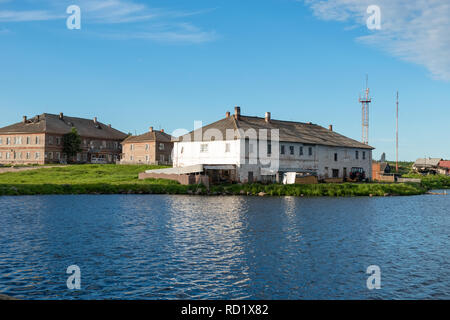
[85,179]
[331,190]
[430,182]
[117,179]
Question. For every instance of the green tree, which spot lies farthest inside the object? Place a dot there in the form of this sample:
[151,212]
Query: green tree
[71,144]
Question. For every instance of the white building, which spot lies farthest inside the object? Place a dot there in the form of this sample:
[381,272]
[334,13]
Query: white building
[250,149]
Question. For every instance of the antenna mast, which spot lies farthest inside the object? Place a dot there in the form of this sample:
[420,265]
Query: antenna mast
[396,138]
[365,102]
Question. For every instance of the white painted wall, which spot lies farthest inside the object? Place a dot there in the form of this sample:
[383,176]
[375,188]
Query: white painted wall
[321,160]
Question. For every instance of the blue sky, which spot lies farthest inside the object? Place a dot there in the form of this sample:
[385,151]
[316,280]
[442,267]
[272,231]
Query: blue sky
[136,64]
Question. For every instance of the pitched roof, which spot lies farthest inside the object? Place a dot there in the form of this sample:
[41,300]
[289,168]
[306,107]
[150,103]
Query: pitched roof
[289,131]
[431,162]
[444,164]
[149,136]
[51,123]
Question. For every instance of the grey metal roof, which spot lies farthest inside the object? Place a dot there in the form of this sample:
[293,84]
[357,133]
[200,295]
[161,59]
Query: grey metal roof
[51,123]
[430,162]
[289,131]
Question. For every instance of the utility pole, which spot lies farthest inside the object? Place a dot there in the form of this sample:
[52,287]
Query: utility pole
[365,102]
[396,138]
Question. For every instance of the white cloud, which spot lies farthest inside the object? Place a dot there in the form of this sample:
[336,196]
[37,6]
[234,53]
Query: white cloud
[413,30]
[29,15]
[109,12]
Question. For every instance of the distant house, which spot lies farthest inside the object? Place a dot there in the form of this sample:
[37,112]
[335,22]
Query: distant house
[424,165]
[39,140]
[444,167]
[380,169]
[152,147]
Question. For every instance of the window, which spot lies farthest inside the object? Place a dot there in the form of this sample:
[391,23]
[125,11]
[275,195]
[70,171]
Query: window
[0,155]
[356,154]
[7,155]
[131,158]
[50,155]
[335,173]
[204,147]
[335,157]
[364,155]
[58,140]
[291,149]
[301,151]
[50,140]
[269,149]
[310,151]
[20,155]
[146,158]
[57,156]
[146,147]
[8,140]
[131,147]
[227,147]
[1,140]
[282,150]
[28,155]
[28,140]
[116,145]
[182,149]
[104,144]
[37,140]
[37,155]
[161,146]
[161,158]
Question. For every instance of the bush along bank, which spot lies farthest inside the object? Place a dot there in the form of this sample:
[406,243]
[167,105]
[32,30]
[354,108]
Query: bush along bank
[255,189]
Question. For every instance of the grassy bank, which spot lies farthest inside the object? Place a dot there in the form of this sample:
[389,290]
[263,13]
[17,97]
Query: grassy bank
[432,181]
[113,179]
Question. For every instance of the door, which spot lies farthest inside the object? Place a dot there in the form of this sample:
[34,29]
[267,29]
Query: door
[250,177]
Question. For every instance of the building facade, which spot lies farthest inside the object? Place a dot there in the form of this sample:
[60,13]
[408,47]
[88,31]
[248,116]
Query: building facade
[262,149]
[152,147]
[39,140]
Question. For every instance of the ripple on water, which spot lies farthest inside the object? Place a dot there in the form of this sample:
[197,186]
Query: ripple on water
[184,247]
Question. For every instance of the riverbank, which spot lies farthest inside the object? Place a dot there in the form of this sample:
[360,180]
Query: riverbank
[123,179]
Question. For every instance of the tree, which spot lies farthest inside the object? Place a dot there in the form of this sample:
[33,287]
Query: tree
[71,143]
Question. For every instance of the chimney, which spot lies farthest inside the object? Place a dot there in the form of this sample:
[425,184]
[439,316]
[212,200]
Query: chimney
[237,112]
[227,114]
[162,130]
[24,119]
[109,125]
[267,117]
[151,129]
[95,119]
[61,116]
[330,127]
[37,118]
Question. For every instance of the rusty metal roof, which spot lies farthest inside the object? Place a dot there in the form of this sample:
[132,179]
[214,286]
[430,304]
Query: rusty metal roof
[149,136]
[52,123]
[289,131]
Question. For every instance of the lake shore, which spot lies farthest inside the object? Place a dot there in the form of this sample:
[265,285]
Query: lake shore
[123,179]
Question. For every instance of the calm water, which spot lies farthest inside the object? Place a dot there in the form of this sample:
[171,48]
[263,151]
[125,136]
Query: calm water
[183,247]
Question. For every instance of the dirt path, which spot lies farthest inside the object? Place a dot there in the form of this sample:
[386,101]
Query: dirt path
[9,169]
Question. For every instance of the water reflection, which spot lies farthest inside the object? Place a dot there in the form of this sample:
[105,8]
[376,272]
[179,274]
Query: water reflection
[171,247]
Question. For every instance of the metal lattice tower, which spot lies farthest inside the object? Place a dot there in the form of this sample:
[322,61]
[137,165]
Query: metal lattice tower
[365,103]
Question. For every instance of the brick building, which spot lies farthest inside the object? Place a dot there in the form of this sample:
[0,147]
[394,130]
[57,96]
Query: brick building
[39,140]
[152,147]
